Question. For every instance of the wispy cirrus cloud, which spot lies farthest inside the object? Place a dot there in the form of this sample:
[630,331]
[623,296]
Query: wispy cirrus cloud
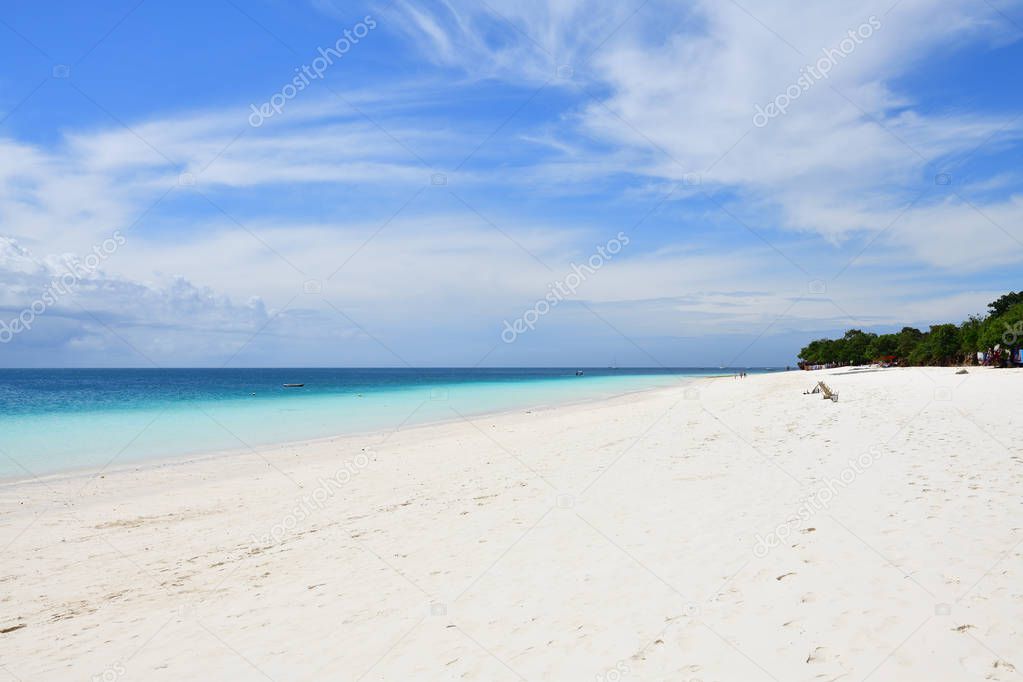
[680,86]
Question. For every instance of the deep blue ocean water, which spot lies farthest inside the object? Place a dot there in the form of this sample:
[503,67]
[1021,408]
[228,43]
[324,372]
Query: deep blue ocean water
[58,419]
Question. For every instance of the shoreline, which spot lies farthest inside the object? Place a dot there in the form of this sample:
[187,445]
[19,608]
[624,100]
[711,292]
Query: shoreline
[165,461]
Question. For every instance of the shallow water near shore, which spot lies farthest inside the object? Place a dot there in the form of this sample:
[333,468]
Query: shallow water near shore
[54,420]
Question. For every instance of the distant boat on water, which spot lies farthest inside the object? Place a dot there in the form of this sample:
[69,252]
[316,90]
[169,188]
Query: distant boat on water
[578,372]
[293,385]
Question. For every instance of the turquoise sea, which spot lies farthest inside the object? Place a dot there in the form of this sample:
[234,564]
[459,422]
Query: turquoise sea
[59,419]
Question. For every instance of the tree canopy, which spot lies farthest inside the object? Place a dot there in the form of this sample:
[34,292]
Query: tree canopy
[942,344]
[1001,305]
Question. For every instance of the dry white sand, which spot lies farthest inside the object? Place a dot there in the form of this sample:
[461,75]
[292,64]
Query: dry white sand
[628,539]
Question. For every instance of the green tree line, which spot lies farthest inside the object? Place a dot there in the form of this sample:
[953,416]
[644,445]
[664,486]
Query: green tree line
[943,344]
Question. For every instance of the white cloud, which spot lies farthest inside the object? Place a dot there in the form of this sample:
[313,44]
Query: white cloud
[681,85]
[92,287]
[527,39]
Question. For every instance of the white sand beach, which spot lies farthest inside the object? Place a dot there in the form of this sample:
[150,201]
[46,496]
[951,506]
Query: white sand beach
[713,532]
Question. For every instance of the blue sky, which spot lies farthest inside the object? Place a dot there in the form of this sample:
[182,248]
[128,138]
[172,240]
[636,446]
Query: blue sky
[459,157]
